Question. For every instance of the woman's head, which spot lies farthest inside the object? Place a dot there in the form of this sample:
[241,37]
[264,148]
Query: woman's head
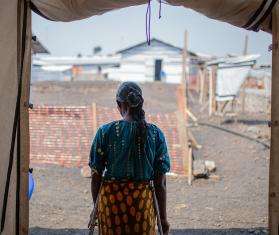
[130,101]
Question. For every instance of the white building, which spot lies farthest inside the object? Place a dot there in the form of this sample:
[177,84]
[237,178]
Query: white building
[159,61]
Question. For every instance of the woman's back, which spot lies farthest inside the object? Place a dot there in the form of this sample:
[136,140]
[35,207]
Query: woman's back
[124,156]
[117,150]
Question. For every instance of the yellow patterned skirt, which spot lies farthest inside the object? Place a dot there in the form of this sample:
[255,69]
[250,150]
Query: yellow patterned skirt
[126,208]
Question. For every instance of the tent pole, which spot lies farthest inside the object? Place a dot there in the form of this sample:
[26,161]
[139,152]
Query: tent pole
[24,132]
[274,151]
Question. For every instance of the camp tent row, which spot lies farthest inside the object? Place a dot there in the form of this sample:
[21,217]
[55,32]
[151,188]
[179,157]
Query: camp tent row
[15,62]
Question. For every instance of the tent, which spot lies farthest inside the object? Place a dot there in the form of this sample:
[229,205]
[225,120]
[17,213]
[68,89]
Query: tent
[15,60]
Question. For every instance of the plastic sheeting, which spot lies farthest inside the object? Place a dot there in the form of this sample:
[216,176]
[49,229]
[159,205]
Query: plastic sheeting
[229,82]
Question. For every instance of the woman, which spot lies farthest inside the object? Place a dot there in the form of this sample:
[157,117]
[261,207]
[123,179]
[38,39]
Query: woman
[125,156]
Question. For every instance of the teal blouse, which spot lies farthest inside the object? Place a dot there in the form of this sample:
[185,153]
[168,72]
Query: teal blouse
[111,148]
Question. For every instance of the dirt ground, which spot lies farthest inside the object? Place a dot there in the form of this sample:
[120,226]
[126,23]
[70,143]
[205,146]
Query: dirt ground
[235,201]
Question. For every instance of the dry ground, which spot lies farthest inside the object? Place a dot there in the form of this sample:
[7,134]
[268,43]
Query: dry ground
[233,203]
[159,97]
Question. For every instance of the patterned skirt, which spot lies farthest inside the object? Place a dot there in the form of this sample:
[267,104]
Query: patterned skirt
[126,208]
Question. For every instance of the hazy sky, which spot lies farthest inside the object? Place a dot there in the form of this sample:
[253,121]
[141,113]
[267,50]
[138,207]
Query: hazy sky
[121,28]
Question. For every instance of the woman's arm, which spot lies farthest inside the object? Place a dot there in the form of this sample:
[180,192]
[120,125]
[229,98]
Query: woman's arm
[160,184]
[95,185]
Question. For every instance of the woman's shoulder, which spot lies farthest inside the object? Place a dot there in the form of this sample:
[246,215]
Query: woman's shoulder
[153,127]
[108,126]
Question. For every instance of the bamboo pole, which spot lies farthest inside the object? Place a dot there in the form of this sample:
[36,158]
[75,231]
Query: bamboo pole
[201,75]
[187,162]
[210,91]
[274,151]
[245,50]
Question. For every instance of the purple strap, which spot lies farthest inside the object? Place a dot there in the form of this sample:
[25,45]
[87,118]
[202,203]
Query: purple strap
[160,9]
[148,20]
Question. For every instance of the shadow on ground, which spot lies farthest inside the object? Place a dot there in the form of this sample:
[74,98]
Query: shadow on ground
[233,231]
[253,122]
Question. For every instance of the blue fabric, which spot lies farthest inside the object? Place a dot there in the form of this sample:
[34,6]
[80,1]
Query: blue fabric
[31,185]
[112,147]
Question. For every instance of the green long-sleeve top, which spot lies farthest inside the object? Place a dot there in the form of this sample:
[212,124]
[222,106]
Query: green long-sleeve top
[112,148]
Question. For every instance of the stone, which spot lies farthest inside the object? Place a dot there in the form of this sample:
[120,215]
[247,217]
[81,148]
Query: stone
[214,177]
[210,166]
[199,169]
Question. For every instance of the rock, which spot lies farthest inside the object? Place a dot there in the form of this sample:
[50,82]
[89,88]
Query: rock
[210,166]
[85,172]
[253,129]
[214,177]
[199,169]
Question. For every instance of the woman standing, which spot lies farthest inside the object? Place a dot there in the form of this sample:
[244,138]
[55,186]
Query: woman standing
[125,156]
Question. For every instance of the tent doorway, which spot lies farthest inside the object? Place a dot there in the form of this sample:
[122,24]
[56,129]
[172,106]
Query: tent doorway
[17,69]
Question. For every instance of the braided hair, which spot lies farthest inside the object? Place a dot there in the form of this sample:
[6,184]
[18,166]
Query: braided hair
[130,94]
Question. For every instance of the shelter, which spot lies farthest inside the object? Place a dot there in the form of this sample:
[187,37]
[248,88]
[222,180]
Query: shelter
[226,80]
[15,45]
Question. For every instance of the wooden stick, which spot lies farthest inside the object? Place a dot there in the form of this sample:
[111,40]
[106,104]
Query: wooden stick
[210,88]
[201,74]
[190,168]
[191,115]
[156,207]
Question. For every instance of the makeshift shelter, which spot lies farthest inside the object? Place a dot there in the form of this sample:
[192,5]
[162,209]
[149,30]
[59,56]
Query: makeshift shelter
[15,46]
[226,81]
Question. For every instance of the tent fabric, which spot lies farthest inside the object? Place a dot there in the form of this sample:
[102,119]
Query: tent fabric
[12,14]
[8,91]
[235,12]
[69,10]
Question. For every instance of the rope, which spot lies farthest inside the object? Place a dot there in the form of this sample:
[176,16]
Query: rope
[260,15]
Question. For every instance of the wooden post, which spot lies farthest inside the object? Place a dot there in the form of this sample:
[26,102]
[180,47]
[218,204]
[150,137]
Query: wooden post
[274,150]
[184,64]
[245,50]
[214,80]
[182,105]
[243,97]
[24,134]
[212,89]
[190,162]
[187,162]
[202,78]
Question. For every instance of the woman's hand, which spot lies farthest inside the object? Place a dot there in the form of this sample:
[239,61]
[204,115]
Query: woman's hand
[165,227]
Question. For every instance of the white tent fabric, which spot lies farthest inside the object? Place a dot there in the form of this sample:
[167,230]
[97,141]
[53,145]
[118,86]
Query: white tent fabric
[229,81]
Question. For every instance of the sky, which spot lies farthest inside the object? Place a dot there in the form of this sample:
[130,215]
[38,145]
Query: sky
[120,29]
